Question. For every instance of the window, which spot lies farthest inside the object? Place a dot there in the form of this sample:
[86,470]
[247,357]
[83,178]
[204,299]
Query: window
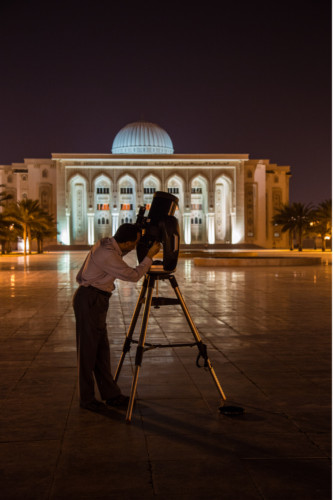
[149,190]
[45,173]
[126,206]
[196,190]
[173,190]
[196,206]
[126,190]
[103,206]
[101,190]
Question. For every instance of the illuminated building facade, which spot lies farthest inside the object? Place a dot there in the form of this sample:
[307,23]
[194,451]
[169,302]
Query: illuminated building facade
[223,198]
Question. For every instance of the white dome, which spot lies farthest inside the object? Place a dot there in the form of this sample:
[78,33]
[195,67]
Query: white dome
[142,138]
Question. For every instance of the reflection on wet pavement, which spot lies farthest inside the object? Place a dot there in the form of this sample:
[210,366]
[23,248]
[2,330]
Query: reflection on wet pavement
[268,334]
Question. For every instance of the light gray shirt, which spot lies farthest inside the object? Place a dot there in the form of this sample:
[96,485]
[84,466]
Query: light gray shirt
[104,264]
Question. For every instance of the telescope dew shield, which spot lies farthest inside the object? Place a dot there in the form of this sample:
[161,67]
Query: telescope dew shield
[163,204]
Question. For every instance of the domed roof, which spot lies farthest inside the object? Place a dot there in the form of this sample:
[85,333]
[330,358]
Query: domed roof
[142,138]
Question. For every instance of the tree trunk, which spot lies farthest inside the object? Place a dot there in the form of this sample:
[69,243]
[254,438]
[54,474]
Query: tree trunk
[25,239]
[291,240]
[29,239]
[323,243]
[300,239]
[39,245]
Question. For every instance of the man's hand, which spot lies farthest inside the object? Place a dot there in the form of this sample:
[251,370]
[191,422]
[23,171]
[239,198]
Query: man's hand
[154,249]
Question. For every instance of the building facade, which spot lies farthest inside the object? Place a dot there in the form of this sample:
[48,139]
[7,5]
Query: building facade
[223,198]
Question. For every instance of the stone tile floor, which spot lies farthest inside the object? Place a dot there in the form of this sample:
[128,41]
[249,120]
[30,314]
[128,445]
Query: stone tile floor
[268,333]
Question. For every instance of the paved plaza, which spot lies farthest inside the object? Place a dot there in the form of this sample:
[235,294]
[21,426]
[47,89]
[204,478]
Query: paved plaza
[268,334]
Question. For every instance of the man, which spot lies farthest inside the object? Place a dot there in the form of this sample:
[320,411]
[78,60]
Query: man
[96,277]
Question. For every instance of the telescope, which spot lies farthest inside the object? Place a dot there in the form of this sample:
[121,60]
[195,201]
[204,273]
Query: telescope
[160,225]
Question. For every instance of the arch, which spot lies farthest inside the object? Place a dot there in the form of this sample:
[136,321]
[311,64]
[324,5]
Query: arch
[102,205]
[176,186]
[101,175]
[199,208]
[78,209]
[127,198]
[126,178]
[75,175]
[223,208]
[202,177]
[150,185]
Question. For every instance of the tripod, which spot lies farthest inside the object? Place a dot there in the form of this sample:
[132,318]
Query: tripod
[151,279]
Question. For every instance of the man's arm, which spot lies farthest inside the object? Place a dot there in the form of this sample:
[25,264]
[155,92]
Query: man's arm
[118,268]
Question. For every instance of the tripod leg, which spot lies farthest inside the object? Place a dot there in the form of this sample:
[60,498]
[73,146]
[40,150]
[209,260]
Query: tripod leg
[129,335]
[140,348]
[201,346]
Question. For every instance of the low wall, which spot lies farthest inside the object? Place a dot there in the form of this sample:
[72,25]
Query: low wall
[256,261]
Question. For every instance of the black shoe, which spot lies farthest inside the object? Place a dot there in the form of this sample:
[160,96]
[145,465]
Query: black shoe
[94,405]
[120,401]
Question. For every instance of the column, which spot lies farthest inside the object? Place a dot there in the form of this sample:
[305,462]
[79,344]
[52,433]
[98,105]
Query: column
[187,228]
[67,237]
[235,237]
[91,234]
[210,217]
[115,219]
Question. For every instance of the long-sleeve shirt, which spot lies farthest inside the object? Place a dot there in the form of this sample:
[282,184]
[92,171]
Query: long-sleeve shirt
[104,264]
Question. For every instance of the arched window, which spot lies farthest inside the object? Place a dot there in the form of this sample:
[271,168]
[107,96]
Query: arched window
[45,173]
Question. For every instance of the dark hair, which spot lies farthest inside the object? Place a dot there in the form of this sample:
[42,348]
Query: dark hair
[126,232]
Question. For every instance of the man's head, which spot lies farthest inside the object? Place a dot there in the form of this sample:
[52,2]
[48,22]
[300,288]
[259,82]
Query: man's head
[127,236]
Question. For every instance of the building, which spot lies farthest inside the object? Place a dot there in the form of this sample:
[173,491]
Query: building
[223,198]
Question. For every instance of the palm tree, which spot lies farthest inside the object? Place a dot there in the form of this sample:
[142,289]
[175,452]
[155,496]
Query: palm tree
[323,221]
[6,232]
[295,218]
[27,214]
[284,218]
[46,228]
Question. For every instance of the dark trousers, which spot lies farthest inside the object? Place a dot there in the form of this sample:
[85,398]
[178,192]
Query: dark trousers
[93,349]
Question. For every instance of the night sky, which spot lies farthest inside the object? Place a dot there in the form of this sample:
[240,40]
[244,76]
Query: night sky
[220,77]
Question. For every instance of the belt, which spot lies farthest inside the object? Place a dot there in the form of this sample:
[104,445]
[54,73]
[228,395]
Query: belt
[102,292]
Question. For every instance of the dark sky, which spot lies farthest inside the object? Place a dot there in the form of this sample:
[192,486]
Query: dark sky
[220,77]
